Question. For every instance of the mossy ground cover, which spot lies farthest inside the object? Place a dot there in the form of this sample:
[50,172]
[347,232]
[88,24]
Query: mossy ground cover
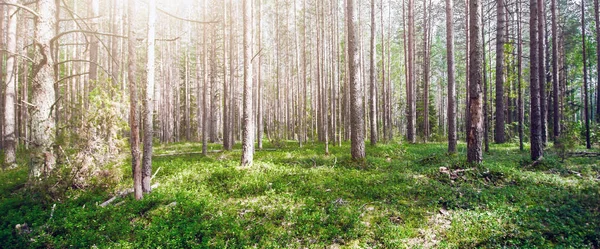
[292,197]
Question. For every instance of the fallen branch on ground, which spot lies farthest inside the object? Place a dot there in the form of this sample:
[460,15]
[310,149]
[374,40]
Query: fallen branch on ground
[123,194]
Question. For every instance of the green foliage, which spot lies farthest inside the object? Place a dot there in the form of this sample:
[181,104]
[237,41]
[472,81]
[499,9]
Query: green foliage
[406,196]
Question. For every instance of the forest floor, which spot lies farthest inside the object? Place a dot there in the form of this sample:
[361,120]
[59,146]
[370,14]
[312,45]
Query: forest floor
[404,196]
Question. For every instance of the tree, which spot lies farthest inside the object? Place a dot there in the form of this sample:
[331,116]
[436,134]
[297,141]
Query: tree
[542,69]
[248,120]
[475,136]
[586,109]
[10,91]
[149,101]
[372,83]
[499,136]
[597,21]
[134,140]
[43,95]
[537,150]
[410,91]
[356,91]
[521,111]
[451,83]
[555,71]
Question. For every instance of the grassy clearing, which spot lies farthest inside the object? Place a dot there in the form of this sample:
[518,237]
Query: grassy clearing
[297,197]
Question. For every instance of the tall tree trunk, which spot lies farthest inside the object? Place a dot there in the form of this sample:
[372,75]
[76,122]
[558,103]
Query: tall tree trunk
[373,84]
[248,119]
[356,89]
[149,100]
[534,84]
[499,136]
[410,92]
[425,72]
[521,111]
[10,83]
[555,72]
[586,109]
[43,96]
[451,83]
[205,113]
[486,126]
[597,21]
[259,115]
[542,69]
[474,137]
[93,65]
[134,140]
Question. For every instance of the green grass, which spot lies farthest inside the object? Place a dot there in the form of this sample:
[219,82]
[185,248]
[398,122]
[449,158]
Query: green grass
[297,197]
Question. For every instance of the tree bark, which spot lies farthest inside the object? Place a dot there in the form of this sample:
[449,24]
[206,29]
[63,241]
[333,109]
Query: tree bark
[597,21]
[521,111]
[542,69]
[356,89]
[410,92]
[134,140]
[372,83]
[555,71]
[474,136]
[10,83]
[149,100]
[43,95]
[248,120]
[499,136]
[586,109]
[451,82]
[534,85]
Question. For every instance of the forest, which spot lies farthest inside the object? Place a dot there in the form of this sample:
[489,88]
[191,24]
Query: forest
[300,124]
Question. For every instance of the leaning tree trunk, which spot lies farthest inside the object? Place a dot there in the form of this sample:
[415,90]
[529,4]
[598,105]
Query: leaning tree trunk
[134,140]
[451,83]
[43,95]
[372,83]
[248,120]
[357,124]
[10,91]
[475,136]
[499,136]
[149,101]
[534,84]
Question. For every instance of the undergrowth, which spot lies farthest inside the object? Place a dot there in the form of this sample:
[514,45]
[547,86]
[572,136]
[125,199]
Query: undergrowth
[402,196]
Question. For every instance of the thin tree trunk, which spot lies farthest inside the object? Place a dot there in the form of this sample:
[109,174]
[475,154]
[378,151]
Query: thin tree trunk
[474,136]
[542,69]
[486,139]
[555,71]
[356,89]
[597,21]
[499,136]
[248,120]
[451,83]
[373,84]
[10,83]
[534,84]
[134,140]
[259,116]
[521,111]
[586,109]
[411,93]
